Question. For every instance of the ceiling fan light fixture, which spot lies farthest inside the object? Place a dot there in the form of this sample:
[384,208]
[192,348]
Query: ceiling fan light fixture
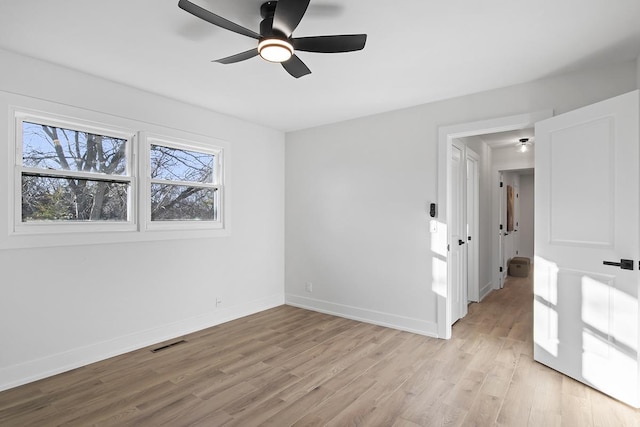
[275,50]
[523,145]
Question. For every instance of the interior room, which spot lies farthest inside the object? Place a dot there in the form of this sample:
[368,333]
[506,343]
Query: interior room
[331,189]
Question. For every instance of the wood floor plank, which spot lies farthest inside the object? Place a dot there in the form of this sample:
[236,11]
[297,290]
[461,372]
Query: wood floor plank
[483,411]
[266,388]
[336,403]
[385,412]
[498,379]
[256,415]
[287,366]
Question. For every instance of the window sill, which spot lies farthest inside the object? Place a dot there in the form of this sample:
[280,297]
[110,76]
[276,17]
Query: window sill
[23,240]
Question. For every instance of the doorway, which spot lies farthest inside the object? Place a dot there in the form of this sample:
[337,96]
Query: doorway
[447,136]
[516,234]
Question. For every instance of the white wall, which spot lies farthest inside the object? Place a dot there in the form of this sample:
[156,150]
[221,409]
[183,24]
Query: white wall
[526,229]
[64,306]
[356,194]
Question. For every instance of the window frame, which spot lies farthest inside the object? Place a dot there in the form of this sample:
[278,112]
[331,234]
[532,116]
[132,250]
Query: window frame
[195,145]
[58,234]
[19,227]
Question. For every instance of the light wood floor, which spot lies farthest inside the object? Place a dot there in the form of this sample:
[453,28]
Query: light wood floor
[288,366]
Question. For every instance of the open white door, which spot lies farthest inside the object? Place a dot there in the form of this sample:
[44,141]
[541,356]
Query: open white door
[587,211]
[457,254]
[502,228]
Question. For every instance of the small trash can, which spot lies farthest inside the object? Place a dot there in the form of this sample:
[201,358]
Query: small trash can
[519,267]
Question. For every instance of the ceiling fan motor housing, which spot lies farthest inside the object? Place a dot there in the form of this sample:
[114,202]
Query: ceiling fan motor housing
[267,11]
[274,45]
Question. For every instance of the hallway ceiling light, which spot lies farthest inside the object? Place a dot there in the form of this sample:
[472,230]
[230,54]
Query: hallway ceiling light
[523,145]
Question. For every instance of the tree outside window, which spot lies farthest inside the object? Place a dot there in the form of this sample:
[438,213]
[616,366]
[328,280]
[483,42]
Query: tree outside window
[183,184]
[72,175]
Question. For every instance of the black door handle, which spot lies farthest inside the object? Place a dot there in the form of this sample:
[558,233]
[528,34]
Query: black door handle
[625,264]
[460,242]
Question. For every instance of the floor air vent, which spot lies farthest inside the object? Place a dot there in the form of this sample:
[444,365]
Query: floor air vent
[167,346]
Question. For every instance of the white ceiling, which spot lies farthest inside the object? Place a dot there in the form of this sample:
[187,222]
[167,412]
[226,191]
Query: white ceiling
[417,51]
[507,138]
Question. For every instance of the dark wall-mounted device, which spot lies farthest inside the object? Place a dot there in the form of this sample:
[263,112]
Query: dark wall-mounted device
[433,210]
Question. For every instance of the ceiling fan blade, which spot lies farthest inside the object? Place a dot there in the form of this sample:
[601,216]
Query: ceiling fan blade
[331,44]
[296,67]
[238,57]
[288,15]
[215,19]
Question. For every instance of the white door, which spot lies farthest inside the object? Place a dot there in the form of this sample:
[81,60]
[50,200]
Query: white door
[502,229]
[516,218]
[586,213]
[458,238]
[473,213]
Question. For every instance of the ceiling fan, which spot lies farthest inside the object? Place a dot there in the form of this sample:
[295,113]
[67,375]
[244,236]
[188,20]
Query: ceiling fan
[275,40]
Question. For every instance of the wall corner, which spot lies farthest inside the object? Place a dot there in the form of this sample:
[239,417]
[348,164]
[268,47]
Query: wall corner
[638,72]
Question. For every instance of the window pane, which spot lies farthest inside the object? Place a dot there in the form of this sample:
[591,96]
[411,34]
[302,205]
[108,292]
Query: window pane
[65,199]
[173,164]
[177,202]
[50,147]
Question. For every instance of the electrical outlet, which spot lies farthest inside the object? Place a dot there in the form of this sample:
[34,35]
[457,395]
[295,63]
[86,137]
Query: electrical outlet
[309,287]
[218,301]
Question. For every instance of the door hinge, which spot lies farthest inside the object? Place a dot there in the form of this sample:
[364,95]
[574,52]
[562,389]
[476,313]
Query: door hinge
[500,226]
[500,269]
[501,184]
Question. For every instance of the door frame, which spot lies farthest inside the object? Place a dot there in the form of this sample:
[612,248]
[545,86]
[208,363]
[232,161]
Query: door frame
[473,221]
[446,135]
[502,192]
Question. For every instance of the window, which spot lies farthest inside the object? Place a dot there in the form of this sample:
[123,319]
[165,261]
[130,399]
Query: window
[71,176]
[79,181]
[185,188]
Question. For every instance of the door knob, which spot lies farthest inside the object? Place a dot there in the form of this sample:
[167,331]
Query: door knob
[460,242]
[625,264]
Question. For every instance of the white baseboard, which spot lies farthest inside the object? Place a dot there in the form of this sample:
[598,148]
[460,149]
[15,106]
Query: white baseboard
[33,370]
[486,290]
[416,326]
